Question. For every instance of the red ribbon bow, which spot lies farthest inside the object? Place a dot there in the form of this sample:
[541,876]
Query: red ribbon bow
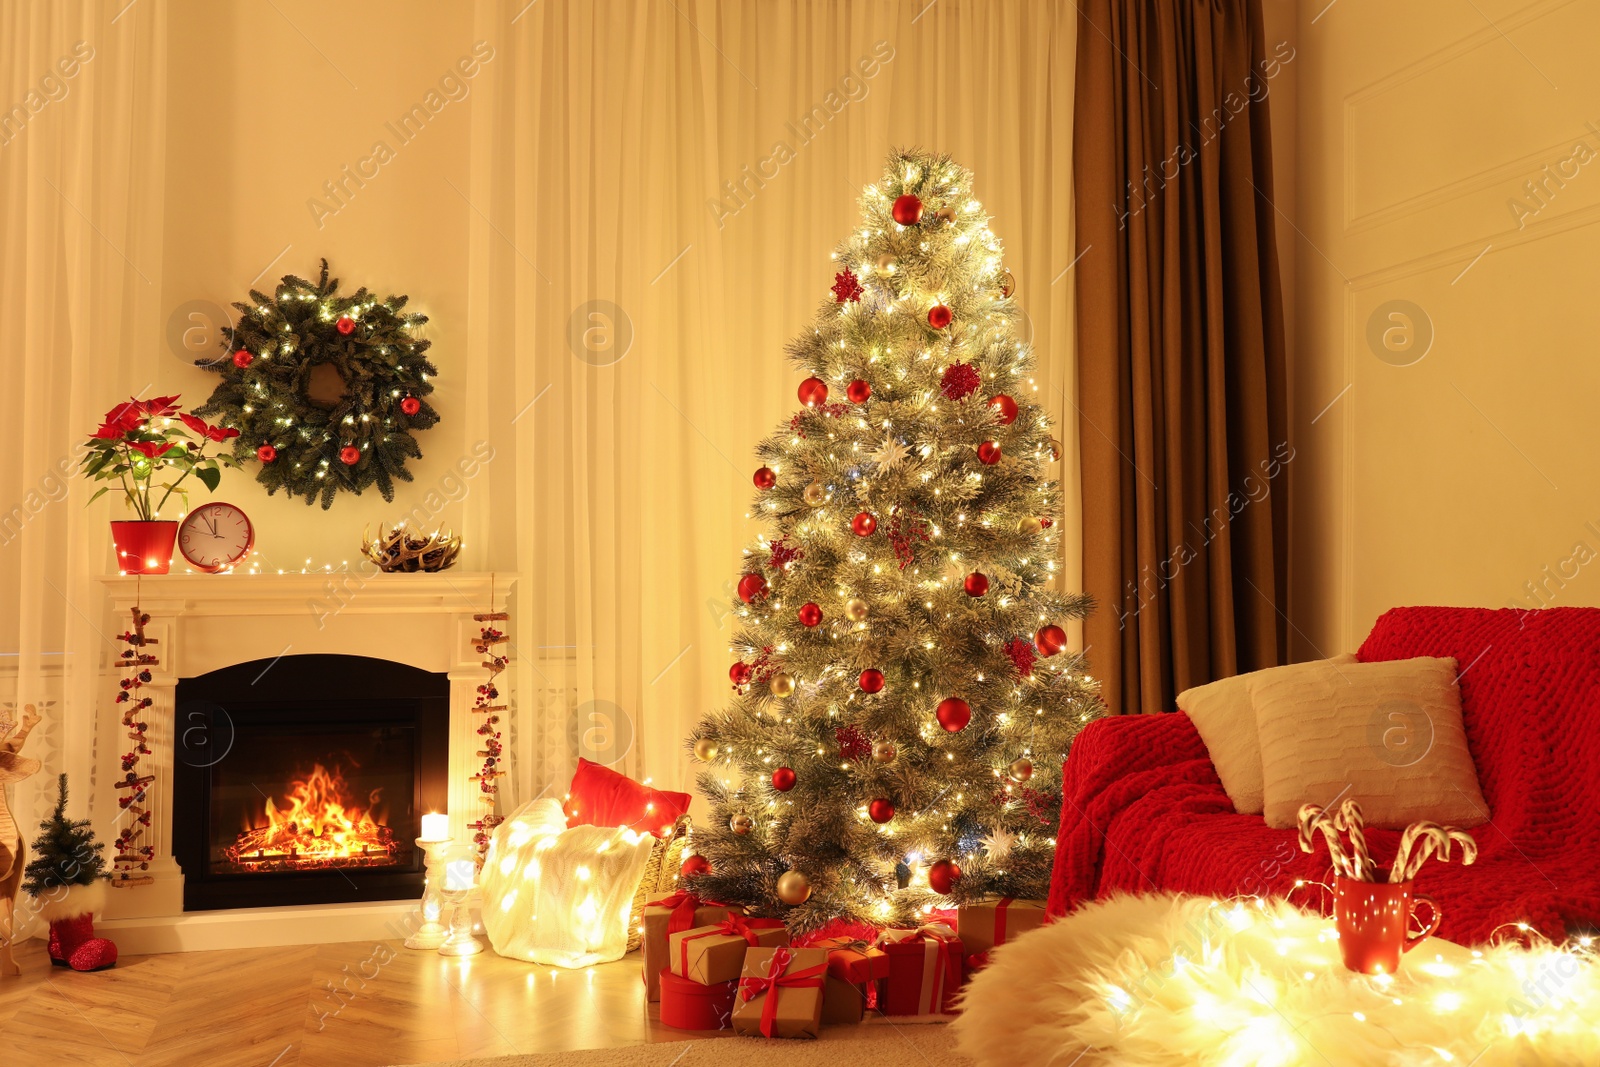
[776,979]
[733,925]
[683,904]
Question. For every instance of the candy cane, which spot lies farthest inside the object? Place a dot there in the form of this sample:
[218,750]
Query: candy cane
[1313,819]
[1422,841]
[1351,821]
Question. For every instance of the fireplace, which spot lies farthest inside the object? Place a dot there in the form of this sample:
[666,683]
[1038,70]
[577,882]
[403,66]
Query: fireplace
[303,780]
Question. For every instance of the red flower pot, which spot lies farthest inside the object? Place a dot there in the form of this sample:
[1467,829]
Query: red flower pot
[144,547]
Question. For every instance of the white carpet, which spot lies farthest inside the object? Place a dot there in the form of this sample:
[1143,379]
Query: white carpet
[883,1045]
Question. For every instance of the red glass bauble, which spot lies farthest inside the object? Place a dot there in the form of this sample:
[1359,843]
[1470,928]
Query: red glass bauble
[410,405]
[871,680]
[765,478]
[752,587]
[907,210]
[266,453]
[863,524]
[694,865]
[858,391]
[243,359]
[349,455]
[810,615]
[739,673]
[813,392]
[346,325]
[989,452]
[976,583]
[783,779]
[939,316]
[953,714]
[880,810]
[943,876]
[1005,409]
[1050,639]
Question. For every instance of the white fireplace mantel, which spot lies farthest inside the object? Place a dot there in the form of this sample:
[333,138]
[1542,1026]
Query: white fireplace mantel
[204,622]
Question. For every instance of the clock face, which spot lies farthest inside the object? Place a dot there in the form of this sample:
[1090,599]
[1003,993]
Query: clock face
[215,537]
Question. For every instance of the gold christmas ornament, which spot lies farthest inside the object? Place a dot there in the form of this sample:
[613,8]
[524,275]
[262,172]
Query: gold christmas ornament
[1008,283]
[883,752]
[887,263]
[782,684]
[855,609]
[1021,769]
[815,494]
[1029,524]
[793,888]
[705,750]
[945,215]
[741,824]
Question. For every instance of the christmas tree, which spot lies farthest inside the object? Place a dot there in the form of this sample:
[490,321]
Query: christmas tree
[66,852]
[903,696]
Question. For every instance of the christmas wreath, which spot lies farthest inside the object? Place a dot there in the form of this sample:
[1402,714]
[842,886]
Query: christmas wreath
[325,390]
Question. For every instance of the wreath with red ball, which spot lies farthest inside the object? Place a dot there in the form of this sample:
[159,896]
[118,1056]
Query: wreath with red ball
[325,390]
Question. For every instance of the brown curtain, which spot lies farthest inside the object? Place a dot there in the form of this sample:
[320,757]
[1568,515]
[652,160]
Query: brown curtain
[1180,346]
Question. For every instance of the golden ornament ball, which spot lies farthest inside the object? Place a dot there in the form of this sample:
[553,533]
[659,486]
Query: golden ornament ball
[705,750]
[793,887]
[1021,769]
[883,752]
[945,215]
[856,609]
[741,824]
[1029,524]
[886,263]
[815,494]
[782,684]
[1008,283]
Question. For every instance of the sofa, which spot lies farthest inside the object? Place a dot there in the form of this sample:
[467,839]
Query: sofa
[1143,809]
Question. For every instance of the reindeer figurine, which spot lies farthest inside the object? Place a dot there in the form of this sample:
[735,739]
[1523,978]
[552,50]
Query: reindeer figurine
[13,852]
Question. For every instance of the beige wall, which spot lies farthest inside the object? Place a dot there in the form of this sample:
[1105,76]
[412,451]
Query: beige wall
[1472,471]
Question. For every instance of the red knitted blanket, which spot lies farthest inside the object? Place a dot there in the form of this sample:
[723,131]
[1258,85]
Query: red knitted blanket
[1144,809]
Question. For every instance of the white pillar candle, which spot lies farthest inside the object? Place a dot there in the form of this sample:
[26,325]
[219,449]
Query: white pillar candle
[436,826]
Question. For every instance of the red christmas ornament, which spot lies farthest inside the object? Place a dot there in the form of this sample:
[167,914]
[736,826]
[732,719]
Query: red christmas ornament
[810,615]
[266,453]
[858,391]
[943,876]
[349,455]
[976,583]
[694,865]
[1050,639]
[243,359]
[1020,649]
[953,714]
[1005,409]
[813,392]
[863,524]
[783,779]
[752,587]
[410,405]
[846,287]
[765,478]
[959,380]
[346,325]
[907,210]
[939,316]
[880,810]
[989,452]
[871,680]
[739,673]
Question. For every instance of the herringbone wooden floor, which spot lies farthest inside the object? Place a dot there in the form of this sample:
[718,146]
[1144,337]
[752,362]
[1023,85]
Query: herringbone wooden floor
[350,1005]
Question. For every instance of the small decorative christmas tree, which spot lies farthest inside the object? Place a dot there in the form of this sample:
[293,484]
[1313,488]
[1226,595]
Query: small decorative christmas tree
[67,853]
[904,699]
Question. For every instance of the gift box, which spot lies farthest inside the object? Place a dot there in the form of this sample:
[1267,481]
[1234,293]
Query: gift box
[667,916]
[986,924]
[687,1005]
[926,967]
[710,954]
[854,968]
[780,992]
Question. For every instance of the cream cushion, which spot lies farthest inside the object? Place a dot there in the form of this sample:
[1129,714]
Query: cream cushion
[1386,734]
[1226,720]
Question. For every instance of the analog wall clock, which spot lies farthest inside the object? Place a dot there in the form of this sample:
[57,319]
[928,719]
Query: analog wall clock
[216,537]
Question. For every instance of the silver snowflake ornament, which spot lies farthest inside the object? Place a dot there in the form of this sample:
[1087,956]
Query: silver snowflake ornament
[890,454]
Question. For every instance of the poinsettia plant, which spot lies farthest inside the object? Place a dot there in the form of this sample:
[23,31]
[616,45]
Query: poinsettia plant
[149,447]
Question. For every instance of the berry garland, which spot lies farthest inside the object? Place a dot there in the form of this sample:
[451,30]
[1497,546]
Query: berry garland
[133,858]
[325,390]
[486,704]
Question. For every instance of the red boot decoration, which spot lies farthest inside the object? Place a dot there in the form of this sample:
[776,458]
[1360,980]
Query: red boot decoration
[73,944]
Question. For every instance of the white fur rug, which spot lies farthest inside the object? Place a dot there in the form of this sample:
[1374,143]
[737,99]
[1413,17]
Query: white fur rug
[1157,980]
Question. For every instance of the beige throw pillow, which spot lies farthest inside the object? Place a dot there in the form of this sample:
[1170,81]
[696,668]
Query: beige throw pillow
[1386,734]
[1226,720]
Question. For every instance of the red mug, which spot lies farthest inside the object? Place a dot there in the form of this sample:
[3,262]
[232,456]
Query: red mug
[1374,923]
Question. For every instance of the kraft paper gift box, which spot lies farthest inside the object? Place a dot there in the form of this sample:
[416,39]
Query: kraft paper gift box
[667,916]
[987,924]
[926,967]
[853,969]
[780,992]
[712,954]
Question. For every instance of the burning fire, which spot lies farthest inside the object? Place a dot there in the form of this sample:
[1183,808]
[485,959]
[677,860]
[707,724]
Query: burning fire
[316,825]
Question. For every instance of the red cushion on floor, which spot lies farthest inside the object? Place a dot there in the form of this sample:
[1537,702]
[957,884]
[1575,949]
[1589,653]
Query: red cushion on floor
[599,796]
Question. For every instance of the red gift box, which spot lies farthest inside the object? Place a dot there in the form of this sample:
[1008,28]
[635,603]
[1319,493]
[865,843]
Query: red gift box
[925,971]
[687,1005]
[854,968]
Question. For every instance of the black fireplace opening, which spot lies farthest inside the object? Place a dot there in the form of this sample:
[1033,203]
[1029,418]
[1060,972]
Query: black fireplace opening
[303,780]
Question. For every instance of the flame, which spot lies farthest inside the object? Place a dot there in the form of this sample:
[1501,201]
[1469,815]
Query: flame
[316,825]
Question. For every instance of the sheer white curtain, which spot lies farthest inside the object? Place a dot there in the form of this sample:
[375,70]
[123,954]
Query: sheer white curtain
[82,121]
[656,186]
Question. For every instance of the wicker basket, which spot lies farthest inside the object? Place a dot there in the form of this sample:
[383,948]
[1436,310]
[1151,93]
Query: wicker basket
[660,876]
